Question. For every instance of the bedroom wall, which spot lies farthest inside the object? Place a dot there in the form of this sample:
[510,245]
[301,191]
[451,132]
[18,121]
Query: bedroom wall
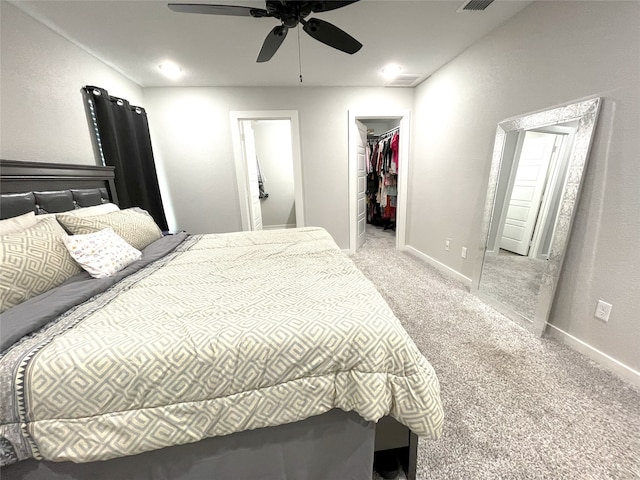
[548,54]
[190,130]
[42,115]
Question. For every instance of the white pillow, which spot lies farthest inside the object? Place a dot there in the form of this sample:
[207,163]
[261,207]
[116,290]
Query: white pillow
[17,224]
[101,253]
[101,209]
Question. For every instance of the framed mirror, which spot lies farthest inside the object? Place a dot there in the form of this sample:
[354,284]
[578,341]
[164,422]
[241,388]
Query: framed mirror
[534,186]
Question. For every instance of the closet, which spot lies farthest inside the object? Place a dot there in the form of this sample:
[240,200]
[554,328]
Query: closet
[382,165]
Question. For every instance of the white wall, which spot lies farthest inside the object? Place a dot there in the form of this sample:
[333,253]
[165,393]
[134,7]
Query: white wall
[548,54]
[273,148]
[192,144]
[42,116]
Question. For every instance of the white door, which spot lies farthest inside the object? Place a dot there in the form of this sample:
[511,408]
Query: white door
[249,151]
[362,184]
[528,187]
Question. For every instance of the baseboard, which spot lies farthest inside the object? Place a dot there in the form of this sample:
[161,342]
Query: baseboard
[278,227]
[596,355]
[440,266]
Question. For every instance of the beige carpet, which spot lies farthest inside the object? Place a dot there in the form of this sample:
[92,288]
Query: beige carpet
[517,406]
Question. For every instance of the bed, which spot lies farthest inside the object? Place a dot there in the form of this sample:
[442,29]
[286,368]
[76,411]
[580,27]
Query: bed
[241,355]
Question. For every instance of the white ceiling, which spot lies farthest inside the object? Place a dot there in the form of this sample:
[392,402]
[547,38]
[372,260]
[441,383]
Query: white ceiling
[135,36]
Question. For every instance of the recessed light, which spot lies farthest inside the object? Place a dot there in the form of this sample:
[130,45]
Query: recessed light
[391,71]
[170,69]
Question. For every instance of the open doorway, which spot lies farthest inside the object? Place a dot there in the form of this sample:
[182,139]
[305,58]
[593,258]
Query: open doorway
[268,168]
[377,188]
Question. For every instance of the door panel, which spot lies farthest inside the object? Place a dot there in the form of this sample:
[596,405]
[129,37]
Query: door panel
[362,186]
[362,226]
[362,183]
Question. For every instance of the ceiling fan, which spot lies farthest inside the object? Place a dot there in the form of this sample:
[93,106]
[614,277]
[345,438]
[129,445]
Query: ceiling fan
[290,13]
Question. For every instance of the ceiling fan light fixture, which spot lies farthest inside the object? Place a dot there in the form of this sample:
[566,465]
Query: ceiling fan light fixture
[391,71]
[170,69]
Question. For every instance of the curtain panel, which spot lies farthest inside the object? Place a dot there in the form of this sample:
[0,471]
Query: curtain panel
[120,133]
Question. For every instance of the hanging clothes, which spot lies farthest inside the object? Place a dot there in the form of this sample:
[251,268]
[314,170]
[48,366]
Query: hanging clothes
[382,178]
[395,146]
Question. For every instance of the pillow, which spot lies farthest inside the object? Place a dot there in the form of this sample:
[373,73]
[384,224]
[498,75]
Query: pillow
[33,261]
[15,224]
[94,210]
[102,253]
[136,228]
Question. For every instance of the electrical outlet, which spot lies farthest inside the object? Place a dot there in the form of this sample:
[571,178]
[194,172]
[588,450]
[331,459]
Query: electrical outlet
[603,310]
[447,244]
[464,252]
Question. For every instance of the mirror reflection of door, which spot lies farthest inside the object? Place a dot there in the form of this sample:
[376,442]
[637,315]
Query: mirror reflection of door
[270,169]
[534,176]
[538,157]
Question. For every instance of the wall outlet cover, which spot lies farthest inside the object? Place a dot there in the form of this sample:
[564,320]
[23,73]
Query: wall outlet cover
[603,310]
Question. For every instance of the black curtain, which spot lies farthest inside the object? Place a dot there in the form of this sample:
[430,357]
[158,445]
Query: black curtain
[121,139]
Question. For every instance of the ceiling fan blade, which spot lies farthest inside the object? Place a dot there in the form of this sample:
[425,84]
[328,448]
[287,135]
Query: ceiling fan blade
[331,35]
[272,43]
[234,10]
[330,5]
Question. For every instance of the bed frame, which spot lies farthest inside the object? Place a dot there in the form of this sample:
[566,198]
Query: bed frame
[25,176]
[19,177]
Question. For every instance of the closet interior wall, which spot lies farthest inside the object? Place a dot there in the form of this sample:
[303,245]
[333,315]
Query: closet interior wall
[382,172]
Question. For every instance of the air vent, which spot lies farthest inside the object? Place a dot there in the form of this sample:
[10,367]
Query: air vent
[475,5]
[405,80]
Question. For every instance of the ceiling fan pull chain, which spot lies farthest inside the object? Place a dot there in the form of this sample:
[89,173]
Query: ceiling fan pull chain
[299,54]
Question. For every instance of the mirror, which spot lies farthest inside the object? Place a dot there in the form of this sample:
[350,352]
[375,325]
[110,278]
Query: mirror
[534,185]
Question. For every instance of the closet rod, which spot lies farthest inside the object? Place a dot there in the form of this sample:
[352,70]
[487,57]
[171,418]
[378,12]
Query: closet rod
[389,132]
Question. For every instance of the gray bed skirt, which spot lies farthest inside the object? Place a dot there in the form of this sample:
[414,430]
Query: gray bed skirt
[332,446]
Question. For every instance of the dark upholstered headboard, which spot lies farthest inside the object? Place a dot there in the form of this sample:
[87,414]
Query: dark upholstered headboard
[52,187]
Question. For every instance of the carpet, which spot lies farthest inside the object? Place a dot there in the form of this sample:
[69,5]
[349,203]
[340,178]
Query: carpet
[516,406]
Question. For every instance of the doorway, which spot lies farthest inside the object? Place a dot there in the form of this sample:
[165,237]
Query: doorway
[268,169]
[374,124]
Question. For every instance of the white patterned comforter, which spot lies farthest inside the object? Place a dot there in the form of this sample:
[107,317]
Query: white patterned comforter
[228,333]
